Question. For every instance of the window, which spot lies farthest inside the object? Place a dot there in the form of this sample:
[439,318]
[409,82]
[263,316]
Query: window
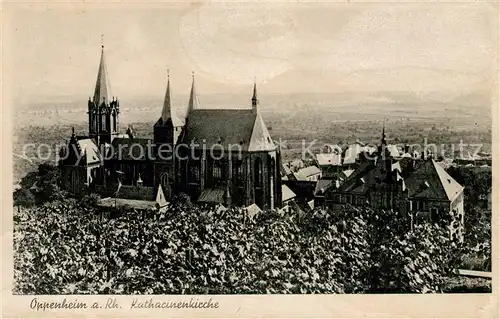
[238,174]
[360,200]
[420,205]
[258,172]
[217,171]
[114,121]
[194,173]
[342,199]
[104,122]
[349,199]
[434,215]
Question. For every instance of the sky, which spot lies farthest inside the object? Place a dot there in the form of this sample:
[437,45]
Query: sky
[53,50]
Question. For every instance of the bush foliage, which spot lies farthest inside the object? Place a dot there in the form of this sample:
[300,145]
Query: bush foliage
[66,247]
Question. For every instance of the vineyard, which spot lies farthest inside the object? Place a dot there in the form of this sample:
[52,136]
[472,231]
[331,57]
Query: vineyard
[68,247]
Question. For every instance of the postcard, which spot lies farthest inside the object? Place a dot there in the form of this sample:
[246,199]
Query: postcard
[250,159]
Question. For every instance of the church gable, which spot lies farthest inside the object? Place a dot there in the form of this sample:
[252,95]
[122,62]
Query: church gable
[82,151]
[260,139]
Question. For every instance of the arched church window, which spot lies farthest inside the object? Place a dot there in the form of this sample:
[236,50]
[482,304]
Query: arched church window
[238,174]
[194,172]
[114,121]
[217,171]
[272,167]
[103,122]
[257,173]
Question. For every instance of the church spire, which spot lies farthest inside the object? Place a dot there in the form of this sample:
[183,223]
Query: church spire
[102,90]
[166,112]
[255,100]
[193,99]
[384,141]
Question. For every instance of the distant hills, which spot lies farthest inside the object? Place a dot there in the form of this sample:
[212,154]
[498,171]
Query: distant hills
[70,109]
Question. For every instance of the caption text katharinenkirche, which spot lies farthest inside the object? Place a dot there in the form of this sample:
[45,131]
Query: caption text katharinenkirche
[136,303]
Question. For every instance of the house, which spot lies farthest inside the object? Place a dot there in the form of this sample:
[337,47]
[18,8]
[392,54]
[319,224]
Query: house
[416,187]
[310,173]
[329,163]
[356,153]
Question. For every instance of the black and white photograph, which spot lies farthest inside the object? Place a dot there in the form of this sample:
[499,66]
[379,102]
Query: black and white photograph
[250,148]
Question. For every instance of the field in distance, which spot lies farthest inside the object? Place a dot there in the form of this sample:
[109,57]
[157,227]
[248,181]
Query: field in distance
[326,118]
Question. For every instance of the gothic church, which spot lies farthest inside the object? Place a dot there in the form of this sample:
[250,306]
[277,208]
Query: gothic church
[222,156]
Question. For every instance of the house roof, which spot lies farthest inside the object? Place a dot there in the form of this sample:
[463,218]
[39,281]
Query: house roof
[396,167]
[352,152]
[160,197]
[299,176]
[253,210]
[322,186]
[286,169]
[311,204]
[406,165]
[348,172]
[333,159]
[228,127]
[135,149]
[393,150]
[353,183]
[451,186]
[212,195]
[286,193]
[309,171]
[296,163]
[430,181]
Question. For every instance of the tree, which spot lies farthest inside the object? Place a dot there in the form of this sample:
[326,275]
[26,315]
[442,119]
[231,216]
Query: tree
[23,197]
[192,250]
[42,184]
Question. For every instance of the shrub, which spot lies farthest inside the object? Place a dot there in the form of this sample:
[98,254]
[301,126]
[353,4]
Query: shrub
[63,247]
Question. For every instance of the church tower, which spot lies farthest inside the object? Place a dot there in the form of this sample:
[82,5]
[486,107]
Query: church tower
[103,110]
[168,127]
[255,100]
[166,132]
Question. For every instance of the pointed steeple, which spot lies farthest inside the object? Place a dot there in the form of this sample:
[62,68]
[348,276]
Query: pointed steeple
[102,90]
[166,112]
[193,99]
[73,135]
[255,100]
[384,141]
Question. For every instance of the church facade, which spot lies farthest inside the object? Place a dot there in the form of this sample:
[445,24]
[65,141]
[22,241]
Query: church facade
[222,156]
